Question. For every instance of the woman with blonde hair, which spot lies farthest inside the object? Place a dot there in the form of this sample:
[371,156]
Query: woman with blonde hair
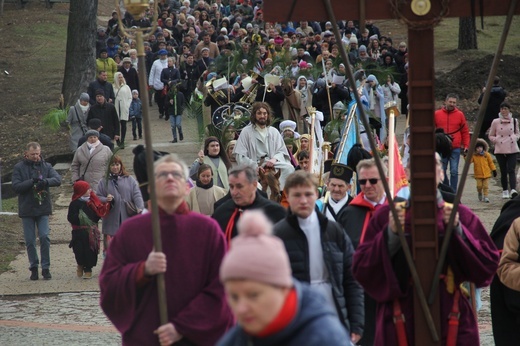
[122,103]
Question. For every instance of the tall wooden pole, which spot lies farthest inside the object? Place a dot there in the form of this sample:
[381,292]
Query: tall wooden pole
[143,86]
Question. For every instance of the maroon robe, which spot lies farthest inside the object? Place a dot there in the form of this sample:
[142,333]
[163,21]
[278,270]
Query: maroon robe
[474,259]
[194,246]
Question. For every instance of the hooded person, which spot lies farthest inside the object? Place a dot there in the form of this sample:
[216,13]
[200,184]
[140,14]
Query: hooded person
[77,120]
[85,210]
[288,312]
[304,86]
[483,168]
[376,106]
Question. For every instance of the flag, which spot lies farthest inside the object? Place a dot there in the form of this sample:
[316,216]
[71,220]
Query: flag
[401,187]
[349,133]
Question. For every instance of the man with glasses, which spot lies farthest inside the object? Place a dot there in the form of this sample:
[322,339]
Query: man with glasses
[355,219]
[197,310]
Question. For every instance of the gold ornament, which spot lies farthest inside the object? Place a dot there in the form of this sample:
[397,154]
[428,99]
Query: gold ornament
[421,7]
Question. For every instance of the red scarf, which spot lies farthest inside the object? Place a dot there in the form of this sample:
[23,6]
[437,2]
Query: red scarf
[284,317]
[100,208]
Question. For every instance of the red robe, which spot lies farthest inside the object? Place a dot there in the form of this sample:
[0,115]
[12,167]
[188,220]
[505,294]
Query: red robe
[194,246]
[474,259]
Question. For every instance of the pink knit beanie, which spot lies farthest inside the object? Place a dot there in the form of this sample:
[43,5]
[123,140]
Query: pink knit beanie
[255,254]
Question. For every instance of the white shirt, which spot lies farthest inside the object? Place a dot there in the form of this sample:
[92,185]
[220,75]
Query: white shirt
[319,274]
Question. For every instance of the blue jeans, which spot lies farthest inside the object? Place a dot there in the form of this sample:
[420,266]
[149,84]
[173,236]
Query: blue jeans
[29,233]
[454,169]
[175,123]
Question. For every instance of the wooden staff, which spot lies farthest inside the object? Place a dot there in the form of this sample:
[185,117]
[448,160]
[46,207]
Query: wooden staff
[312,112]
[156,225]
[391,158]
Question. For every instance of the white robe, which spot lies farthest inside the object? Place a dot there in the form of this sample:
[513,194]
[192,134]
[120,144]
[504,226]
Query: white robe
[251,148]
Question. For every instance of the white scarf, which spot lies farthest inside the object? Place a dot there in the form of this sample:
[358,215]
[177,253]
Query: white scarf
[93,146]
[84,108]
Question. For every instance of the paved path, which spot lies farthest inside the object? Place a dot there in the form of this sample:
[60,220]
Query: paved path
[65,310]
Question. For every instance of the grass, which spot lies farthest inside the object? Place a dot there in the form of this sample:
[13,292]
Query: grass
[10,234]
[447,36]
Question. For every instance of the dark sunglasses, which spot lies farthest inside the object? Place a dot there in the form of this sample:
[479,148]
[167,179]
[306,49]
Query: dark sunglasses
[372,181]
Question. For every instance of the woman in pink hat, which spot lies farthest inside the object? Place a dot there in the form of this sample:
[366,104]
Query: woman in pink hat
[270,307]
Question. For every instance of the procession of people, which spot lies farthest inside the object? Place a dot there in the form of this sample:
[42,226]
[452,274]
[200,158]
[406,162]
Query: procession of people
[317,262]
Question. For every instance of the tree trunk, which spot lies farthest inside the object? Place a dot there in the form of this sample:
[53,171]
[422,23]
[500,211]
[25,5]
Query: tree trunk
[467,33]
[80,61]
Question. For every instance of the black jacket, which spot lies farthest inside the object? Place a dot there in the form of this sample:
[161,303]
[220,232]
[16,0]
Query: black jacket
[107,88]
[337,252]
[104,139]
[274,212]
[131,77]
[106,112]
[23,184]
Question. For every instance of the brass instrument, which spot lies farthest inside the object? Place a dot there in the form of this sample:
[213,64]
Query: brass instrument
[326,147]
[216,95]
[253,90]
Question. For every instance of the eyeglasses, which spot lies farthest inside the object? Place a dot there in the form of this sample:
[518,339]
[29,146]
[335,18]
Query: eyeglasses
[372,181]
[164,175]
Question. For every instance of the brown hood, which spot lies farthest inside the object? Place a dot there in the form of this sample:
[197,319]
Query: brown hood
[483,143]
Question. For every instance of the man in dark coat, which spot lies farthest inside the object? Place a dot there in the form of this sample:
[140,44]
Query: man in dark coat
[101,83]
[106,112]
[505,321]
[130,74]
[32,178]
[320,252]
[243,182]
[338,185]
[196,304]
[496,97]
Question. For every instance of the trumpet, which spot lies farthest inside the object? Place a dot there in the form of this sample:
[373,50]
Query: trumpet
[269,89]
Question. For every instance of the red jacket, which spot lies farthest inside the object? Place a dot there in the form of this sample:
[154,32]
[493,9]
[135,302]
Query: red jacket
[454,124]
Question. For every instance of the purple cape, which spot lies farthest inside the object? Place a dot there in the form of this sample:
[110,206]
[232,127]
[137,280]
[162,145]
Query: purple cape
[474,259]
[194,246]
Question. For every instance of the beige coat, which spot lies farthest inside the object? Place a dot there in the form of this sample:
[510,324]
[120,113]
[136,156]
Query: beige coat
[195,203]
[509,267]
[95,170]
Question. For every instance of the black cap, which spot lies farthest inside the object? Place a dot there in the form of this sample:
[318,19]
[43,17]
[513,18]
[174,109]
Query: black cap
[341,171]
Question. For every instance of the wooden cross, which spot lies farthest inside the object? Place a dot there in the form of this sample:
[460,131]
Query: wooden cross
[421,77]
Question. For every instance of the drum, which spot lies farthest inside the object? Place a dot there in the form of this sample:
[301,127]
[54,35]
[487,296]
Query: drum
[236,115]
[391,106]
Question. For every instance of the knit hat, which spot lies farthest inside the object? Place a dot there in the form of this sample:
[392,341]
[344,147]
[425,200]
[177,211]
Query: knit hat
[80,188]
[90,133]
[100,92]
[162,52]
[94,123]
[353,39]
[127,59]
[362,48]
[256,254]
[84,97]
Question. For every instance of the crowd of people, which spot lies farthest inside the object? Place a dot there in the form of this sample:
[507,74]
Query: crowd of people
[301,271]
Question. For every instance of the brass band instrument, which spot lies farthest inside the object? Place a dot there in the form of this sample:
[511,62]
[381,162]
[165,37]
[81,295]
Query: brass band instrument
[326,147]
[216,95]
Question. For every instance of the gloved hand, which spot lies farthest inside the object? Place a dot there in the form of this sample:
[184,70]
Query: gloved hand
[41,185]
[495,173]
[36,180]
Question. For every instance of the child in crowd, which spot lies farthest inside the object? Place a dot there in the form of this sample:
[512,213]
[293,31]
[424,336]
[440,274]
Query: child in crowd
[136,115]
[204,195]
[85,210]
[483,167]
